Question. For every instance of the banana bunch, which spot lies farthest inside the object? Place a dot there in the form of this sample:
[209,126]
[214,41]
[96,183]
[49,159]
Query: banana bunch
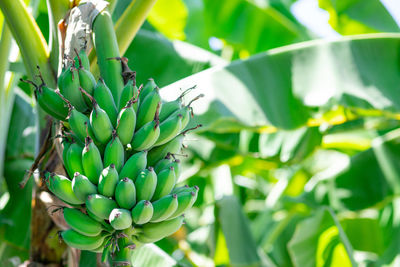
[119,151]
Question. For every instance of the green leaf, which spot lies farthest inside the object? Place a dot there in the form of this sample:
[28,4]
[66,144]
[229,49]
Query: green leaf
[358,16]
[237,235]
[151,255]
[280,87]
[320,241]
[165,61]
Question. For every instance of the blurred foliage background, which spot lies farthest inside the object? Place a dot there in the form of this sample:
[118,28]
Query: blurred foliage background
[298,162]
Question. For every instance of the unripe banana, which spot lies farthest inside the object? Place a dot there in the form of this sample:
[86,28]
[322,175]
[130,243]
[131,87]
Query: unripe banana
[82,60]
[82,187]
[146,183]
[126,123]
[181,189]
[68,83]
[61,187]
[125,193]
[134,165]
[142,212]
[164,208]
[103,245]
[148,108]
[149,87]
[146,136]
[108,181]
[79,124]
[161,164]
[94,217]
[81,222]
[172,106]
[91,161]
[165,183]
[169,129]
[100,206]
[82,242]
[130,91]
[66,142]
[87,82]
[120,219]
[106,46]
[157,153]
[101,124]
[185,202]
[177,168]
[73,159]
[186,112]
[152,232]
[104,99]
[114,153]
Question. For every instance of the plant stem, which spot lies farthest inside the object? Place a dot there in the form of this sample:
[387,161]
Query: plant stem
[130,22]
[29,38]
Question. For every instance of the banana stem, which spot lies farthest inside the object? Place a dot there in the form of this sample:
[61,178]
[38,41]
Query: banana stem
[123,254]
[29,38]
[130,22]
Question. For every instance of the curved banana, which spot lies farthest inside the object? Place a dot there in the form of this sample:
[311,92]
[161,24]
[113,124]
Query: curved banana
[169,129]
[82,187]
[172,106]
[134,165]
[91,161]
[126,123]
[82,242]
[68,83]
[61,187]
[158,153]
[114,152]
[81,222]
[81,60]
[148,107]
[104,99]
[149,87]
[164,208]
[73,159]
[146,183]
[152,232]
[130,90]
[125,193]
[80,124]
[161,164]
[108,181]
[146,136]
[165,183]
[100,206]
[101,124]
[120,219]
[185,202]
[142,212]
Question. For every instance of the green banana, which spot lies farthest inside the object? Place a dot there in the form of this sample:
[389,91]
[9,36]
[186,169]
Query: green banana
[185,202]
[146,136]
[125,193]
[142,212]
[73,159]
[82,187]
[148,108]
[94,217]
[146,183]
[106,47]
[164,208]
[82,242]
[127,73]
[108,181]
[165,183]
[61,187]
[130,91]
[104,99]
[120,219]
[68,83]
[81,60]
[66,144]
[177,167]
[148,88]
[152,232]
[134,165]
[100,206]
[114,153]
[87,82]
[91,161]
[81,222]
[186,112]
[79,124]
[172,106]
[126,123]
[161,164]
[49,100]
[169,129]
[100,122]
[181,189]
[173,147]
